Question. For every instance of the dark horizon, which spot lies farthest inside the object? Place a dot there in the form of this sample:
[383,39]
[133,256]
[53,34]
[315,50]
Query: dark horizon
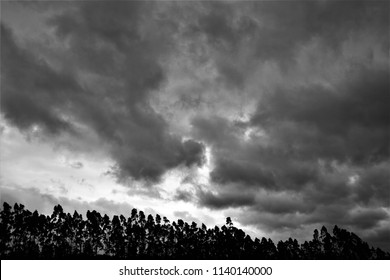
[275,114]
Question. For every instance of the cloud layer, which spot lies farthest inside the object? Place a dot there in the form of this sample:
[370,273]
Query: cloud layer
[110,67]
[289,98]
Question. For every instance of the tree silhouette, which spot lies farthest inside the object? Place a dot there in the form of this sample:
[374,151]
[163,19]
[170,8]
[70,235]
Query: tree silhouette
[25,234]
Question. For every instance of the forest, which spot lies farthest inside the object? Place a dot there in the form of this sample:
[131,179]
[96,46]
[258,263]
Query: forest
[30,235]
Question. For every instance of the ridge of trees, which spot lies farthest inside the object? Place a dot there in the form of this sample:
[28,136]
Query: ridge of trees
[30,235]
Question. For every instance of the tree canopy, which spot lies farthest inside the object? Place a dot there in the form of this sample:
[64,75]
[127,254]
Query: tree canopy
[30,235]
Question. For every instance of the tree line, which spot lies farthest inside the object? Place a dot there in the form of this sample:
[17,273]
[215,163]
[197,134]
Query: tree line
[30,235]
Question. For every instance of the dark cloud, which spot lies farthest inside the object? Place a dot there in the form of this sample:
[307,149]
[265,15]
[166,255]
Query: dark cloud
[373,186]
[248,161]
[270,222]
[290,98]
[228,170]
[287,25]
[193,153]
[369,224]
[32,92]
[256,200]
[379,237]
[283,203]
[182,195]
[368,218]
[225,199]
[317,139]
[112,66]
[349,121]
[213,129]
[323,147]
[359,218]
[276,30]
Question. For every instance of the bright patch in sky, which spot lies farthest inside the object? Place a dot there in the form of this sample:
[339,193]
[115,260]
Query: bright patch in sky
[206,168]
[61,173]
[353,180]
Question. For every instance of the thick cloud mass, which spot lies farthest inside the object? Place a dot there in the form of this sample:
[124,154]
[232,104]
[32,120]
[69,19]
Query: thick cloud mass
[284,103]
[111,66]
[349,121]
[28,85]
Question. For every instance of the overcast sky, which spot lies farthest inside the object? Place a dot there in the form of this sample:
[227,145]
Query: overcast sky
[273,113]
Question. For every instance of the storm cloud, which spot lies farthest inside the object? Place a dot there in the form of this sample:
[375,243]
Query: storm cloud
[281,106]
[104,81]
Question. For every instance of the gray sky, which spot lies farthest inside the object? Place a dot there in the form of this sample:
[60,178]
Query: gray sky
[275,113]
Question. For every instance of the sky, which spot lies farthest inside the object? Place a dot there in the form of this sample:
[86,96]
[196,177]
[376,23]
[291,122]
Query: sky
[275,113]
